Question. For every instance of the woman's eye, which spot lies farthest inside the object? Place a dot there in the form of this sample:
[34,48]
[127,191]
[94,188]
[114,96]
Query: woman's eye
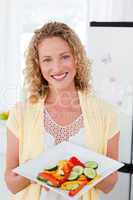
[47,60]
[66,56]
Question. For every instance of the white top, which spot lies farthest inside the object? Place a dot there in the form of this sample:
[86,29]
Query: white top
[56,134]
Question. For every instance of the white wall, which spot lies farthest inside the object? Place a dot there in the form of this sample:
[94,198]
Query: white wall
[9,52]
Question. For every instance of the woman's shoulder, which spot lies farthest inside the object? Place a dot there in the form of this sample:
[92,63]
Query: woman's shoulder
[104,107]
[99,104]
[20,108]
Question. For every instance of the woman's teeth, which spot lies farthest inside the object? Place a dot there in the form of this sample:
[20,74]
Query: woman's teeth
[60,77]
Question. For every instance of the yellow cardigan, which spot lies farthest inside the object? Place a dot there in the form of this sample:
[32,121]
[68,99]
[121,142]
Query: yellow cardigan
[26,122]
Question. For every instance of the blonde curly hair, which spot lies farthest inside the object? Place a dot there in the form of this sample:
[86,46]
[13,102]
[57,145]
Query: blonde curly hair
[36,85]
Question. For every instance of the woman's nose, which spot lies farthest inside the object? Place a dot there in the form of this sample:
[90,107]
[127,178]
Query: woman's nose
[56,64]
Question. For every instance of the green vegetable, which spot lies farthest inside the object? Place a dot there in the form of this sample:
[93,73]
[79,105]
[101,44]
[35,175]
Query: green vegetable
[70,186]
[73,176]
[41,179]
[73,187]
[51,168]
[91,164]
[49,183]
[90,173]
[78,169]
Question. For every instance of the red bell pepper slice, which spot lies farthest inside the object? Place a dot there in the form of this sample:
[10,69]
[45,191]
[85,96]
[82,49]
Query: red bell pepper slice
[63,180]
[70,164]
[50,177]
[67,168]
[76,161]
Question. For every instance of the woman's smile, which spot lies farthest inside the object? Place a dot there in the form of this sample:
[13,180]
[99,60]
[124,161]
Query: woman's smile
[59,77]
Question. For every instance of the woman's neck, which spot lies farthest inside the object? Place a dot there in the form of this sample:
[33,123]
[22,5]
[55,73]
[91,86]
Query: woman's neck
[63,98]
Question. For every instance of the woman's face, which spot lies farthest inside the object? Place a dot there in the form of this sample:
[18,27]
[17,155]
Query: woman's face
[57,63]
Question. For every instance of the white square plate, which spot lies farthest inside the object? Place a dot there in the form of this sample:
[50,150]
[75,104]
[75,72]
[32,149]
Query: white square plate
[65,150]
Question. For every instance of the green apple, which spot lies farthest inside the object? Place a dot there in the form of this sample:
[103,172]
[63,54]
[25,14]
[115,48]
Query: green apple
[4,115]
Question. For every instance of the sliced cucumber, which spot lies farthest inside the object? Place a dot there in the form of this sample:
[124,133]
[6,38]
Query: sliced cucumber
[92,164]
[72,187]
[51,168]
[78,169]
[90,173]
[50,184]
[45,181]
[73,176]
[41,179]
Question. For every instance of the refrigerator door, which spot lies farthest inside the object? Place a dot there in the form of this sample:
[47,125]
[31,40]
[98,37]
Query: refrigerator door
[120,191]
[132,188]
[110,51]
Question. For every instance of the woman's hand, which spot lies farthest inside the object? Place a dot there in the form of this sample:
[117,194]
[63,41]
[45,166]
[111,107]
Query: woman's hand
[15,182]
[112,151]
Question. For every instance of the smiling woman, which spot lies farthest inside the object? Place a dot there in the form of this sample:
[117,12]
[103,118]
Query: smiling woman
[59,104]
[57,63]
[54,50]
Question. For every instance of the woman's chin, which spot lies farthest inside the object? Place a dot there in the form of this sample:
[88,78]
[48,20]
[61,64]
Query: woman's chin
[62,86]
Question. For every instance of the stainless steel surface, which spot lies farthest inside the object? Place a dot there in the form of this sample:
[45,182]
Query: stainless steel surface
[120,191]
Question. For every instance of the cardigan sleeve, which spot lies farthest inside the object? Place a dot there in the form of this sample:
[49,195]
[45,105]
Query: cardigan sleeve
[13,121]
[112,122]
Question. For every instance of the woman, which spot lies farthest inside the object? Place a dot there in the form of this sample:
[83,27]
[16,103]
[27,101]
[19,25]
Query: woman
[60,106]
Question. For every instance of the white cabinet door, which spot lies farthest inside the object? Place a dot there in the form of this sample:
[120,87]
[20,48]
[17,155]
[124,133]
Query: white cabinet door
[132,188]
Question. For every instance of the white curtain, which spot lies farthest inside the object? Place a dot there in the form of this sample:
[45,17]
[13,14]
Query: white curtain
[10,31]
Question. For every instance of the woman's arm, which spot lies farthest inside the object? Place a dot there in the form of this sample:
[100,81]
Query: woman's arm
[15,182]
[112,151]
